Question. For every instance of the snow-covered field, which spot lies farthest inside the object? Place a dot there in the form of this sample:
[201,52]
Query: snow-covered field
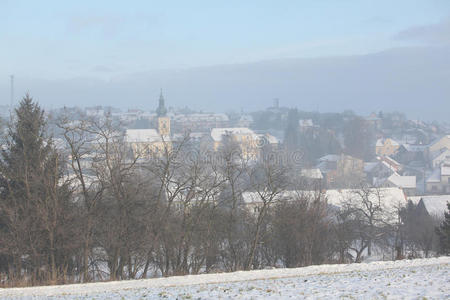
[407,279]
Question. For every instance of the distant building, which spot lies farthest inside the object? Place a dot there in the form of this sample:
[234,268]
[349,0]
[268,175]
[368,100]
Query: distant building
[406,183]
[391,163]
[250,143]
[200,122]
[438,146]
[440,157]
[312,177]
[245,121]
[433,205]
[374,120]
[148,142]
[390,199]
[306,125]
[386,147]
[376,170]
[341,170]
[439,181]
[161,111]
[96,111]
[408,153]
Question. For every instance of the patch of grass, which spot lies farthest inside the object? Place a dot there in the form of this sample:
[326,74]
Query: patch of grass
[163,295]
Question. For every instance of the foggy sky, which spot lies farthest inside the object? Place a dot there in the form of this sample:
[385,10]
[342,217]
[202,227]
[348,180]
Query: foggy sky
[397,59]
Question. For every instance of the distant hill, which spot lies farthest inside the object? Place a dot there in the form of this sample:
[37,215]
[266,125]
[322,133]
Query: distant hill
[412,80]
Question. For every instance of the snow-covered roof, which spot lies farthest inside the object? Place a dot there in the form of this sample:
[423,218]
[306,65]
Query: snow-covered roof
[407,139]
[192,136]
[435,205]
[389,166]
[201,117]
[218,133]
[390,198]
[143,136]
[414,199]
[381,142]
[390,162]
[406,182]
[330,157]
[439,139]
[443,153]
[311,173]
[394,143]
[415,148]
[306,123]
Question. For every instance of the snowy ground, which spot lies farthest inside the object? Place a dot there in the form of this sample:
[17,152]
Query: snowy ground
[416,279]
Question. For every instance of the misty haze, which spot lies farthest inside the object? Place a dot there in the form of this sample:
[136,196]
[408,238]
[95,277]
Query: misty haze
[271,149]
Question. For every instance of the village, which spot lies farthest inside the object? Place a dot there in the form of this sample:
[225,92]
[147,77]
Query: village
[409,155]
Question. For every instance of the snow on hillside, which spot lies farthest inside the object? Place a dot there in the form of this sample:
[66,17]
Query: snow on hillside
[407,279]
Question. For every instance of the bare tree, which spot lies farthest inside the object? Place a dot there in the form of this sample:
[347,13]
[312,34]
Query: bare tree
[301,229]
[268,179]
[232,166]
[88,190]
[370,216]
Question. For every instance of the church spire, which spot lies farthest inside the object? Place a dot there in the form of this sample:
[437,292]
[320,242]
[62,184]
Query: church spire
[161,111]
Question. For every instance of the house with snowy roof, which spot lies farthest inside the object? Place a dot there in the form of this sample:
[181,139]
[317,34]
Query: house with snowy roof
[390,163]
[199,121]
[439,180]
[377,169]
[306,125]
[408,153]
[406,183]
[438,145]
[440,157]
[250,143]
[434,205]
[312,177]
[390,199]
[341,170]
[386,147]
[146,143]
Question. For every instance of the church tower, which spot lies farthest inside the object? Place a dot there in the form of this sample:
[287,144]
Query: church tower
[163,120]
[161,111]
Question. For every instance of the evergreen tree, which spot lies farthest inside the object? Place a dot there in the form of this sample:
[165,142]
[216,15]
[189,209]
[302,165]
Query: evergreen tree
[443,232]
[33,202]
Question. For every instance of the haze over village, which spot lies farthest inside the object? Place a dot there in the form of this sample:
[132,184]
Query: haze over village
[150,140]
